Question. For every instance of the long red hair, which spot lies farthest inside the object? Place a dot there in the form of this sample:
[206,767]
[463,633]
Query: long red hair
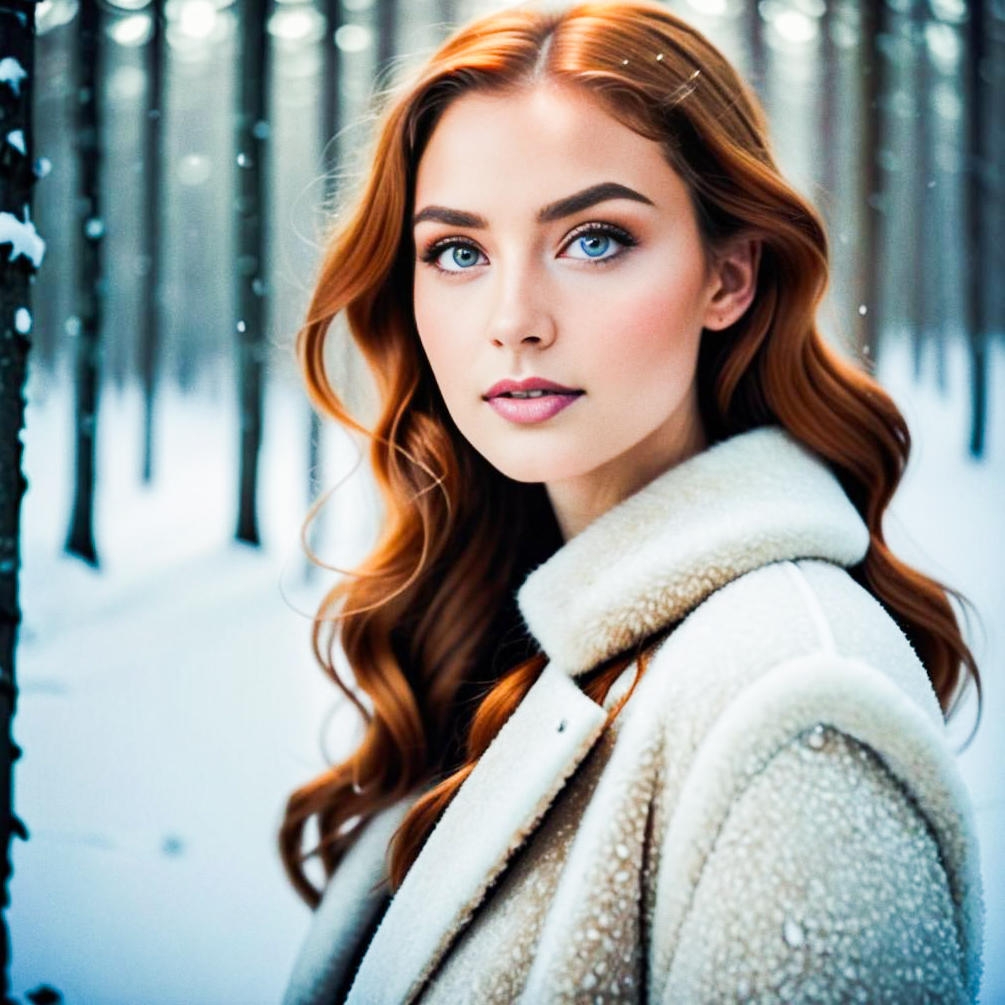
[428,621]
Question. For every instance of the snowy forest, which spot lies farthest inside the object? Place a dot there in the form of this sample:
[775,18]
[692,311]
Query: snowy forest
[168,171]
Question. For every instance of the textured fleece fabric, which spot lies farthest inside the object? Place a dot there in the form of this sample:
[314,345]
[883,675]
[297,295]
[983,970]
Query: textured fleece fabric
[774,816]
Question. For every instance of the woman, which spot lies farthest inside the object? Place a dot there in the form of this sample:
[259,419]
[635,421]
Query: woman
[653,714]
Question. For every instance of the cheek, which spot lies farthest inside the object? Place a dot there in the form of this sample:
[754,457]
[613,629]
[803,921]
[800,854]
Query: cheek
[648,329]
[433,323]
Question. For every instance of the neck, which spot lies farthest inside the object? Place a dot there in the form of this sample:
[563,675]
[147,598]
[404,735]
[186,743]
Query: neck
[578,501]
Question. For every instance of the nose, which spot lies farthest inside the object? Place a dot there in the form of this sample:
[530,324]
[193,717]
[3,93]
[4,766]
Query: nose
[521,317]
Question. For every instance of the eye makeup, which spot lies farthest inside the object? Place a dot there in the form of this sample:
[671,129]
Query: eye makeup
[434,251]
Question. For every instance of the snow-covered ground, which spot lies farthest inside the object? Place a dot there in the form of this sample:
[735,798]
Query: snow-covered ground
[169,701]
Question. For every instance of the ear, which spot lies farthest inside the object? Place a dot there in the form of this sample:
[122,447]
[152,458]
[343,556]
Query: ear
[733,282]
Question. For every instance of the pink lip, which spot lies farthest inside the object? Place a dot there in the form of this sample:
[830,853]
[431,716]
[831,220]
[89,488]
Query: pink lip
[530,384]
[530,410]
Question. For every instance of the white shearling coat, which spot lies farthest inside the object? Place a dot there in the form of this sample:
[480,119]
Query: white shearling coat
[773,817]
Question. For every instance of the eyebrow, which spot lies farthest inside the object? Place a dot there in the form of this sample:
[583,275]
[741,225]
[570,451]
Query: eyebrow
[553,211]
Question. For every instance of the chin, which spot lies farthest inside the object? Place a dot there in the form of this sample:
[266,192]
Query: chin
[533,465]
[518,471]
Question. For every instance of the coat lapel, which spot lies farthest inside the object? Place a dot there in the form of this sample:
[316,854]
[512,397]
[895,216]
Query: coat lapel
[492,814]
[348,907]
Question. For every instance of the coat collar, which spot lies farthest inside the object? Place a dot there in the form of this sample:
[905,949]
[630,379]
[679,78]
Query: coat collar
[756,499]
[759,497]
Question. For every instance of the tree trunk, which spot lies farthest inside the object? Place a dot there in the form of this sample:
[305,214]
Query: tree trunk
[978,216]
[90,292]
[996,140]
[448,16]
[331,126]
[387,30]
[925,324]
[828,111]
[151,257]
[21,252]
[252,286]
[753,28]
[874,18]
[331,97]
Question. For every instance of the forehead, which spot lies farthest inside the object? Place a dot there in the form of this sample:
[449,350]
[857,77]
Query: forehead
[520,149]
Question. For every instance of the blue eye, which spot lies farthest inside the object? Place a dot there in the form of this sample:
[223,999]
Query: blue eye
[460,258]
[597,239]
[594,244]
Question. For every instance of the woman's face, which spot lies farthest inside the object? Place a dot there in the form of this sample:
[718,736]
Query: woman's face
[557,247]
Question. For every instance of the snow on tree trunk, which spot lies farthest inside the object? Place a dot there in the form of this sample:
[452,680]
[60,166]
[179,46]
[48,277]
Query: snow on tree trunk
[21,252]
[153,206]
[252,287]
[91,281]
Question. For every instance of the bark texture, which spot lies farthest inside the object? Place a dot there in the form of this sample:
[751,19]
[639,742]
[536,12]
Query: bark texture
[19,260]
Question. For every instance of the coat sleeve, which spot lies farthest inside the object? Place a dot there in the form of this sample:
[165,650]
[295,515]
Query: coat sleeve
[825,884]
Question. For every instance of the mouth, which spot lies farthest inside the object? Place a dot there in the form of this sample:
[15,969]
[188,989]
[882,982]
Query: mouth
[531,401]
[520,395]
[532,387]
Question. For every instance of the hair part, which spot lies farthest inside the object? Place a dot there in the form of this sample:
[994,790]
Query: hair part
[428,622]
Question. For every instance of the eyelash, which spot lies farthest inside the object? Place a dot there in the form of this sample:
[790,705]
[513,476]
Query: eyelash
[433,252]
